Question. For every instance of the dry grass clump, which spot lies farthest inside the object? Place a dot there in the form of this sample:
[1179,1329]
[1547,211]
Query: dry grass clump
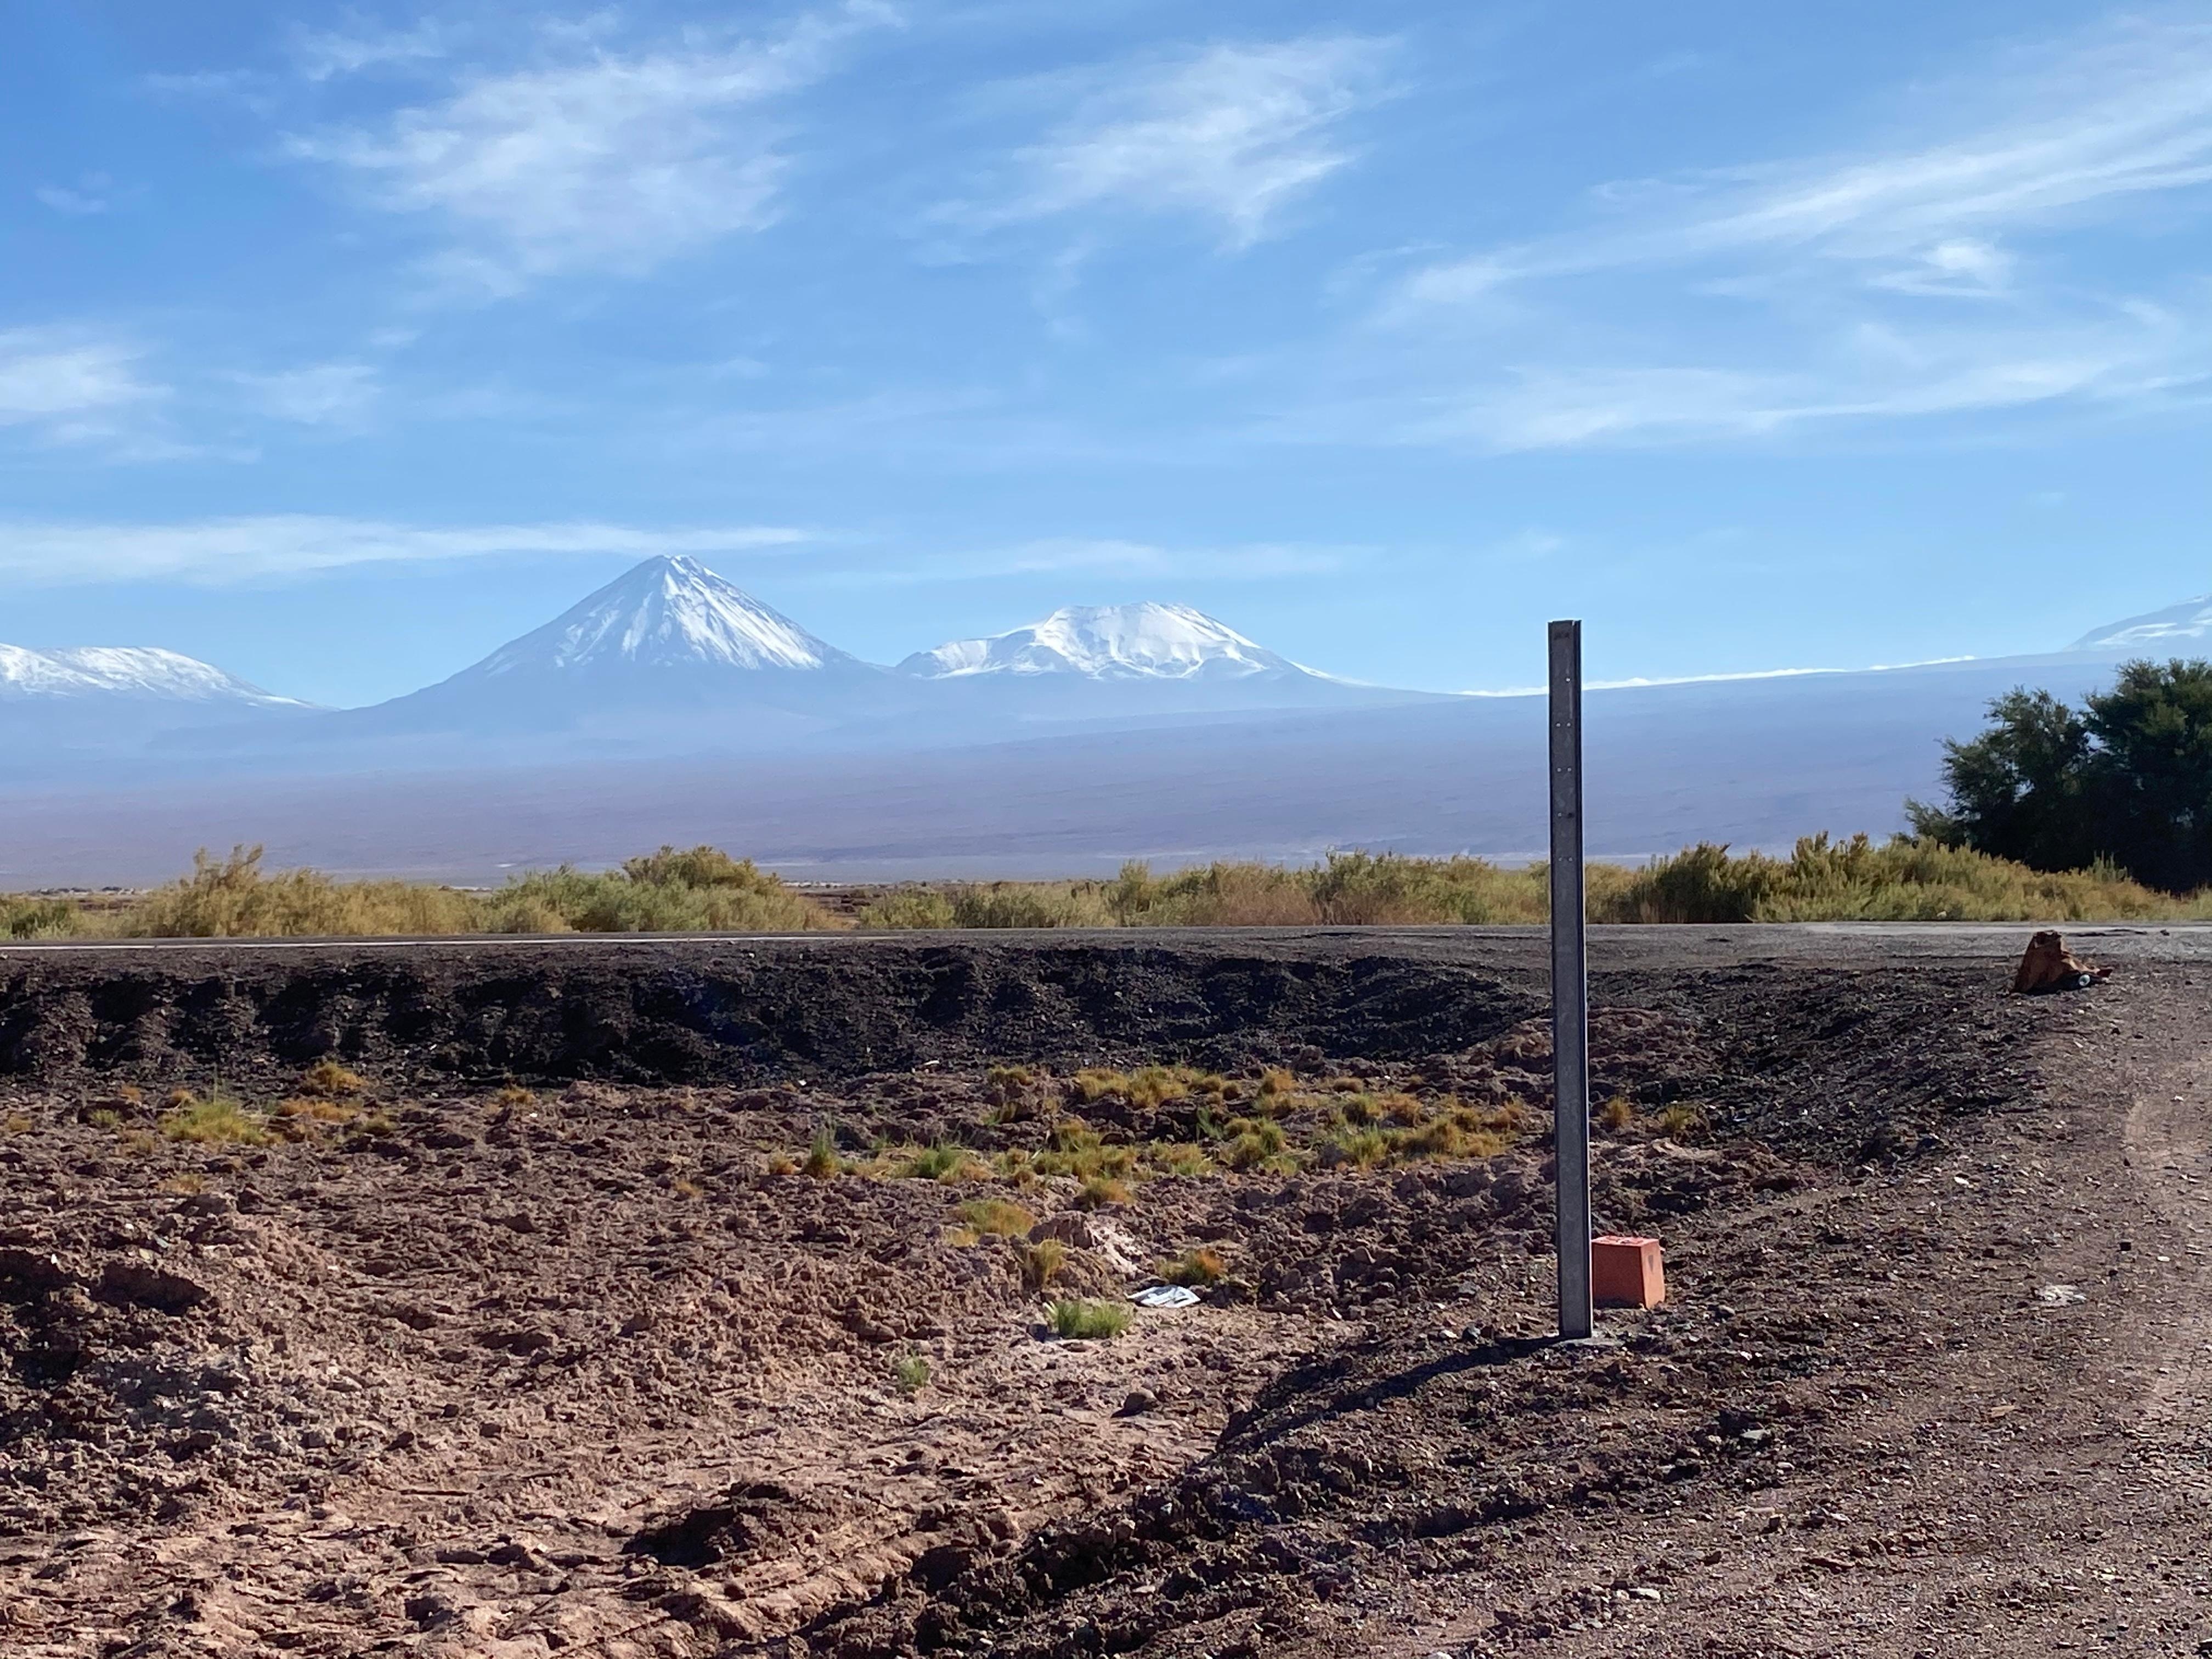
[292,1118]
[514,1098]
[331,1080]
[1100,1192]
[1195,1268]
[942,1162]
[1081,1318]
[217,1120]
[995,1218]
[1042,1262]
[911,1373]
[15,1123]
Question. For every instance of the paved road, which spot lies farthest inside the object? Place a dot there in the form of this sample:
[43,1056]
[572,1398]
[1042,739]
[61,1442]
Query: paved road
[1842,944]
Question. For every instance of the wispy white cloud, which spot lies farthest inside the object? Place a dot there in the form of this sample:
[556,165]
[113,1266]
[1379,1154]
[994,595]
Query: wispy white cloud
[91,194]
[213,551]
[323,55]
[338,394]
[2086,128]
[1847,272]
[71,385]
[592,159]
[1233,134]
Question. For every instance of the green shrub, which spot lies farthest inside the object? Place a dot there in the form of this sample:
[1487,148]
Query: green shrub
[1076,1318]
[217,1120]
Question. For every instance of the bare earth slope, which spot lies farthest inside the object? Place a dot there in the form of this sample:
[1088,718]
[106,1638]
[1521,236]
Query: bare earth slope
[451,1371]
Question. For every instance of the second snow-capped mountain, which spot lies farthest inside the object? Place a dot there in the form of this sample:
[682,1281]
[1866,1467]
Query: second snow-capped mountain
[1112,642]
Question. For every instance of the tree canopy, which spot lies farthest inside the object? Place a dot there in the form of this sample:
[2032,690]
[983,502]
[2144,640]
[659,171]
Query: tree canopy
[2126,779]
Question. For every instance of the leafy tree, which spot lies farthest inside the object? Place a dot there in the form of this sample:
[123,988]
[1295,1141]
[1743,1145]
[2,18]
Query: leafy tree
[2127,779]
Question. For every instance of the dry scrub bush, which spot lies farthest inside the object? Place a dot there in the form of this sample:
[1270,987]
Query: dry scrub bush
[1902,879]
[907,907]
[23,916]
[235,897]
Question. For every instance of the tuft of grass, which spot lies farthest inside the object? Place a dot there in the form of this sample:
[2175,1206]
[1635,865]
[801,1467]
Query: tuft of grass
[514,1098]
[375,1126]
[1099,1191]
[1276,1080]
[1199,1266]
[1177,1158]
[1617,1116]
[1362,1149]
[942,1162]
[684,1186]
[1042,1262]
[1681,1121]
[331,1081]
[1446,1137]
[184,1183]
[104,1117]
[780,1164]
[301,1111]
[15,1123]
[911,1373]
[1095,1083]
[1254,1145]
[995,1218]
[822,1160]
[1081,1318]
[217,1120]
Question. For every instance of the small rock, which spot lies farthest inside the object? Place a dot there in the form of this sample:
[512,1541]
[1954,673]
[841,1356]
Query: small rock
[1139,1401]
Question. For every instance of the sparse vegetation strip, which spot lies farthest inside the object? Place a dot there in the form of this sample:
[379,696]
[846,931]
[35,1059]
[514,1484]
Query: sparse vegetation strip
[1906,879]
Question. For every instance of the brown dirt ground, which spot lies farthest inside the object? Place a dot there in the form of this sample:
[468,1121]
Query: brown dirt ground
[582,1373]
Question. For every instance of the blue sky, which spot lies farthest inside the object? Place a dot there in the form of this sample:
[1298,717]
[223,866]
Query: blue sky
[338,344]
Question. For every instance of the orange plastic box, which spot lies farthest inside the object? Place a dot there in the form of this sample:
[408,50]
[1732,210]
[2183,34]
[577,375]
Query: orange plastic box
[1626,1272]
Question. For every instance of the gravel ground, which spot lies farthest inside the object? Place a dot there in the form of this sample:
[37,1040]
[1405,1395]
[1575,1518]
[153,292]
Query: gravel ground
[538,1344]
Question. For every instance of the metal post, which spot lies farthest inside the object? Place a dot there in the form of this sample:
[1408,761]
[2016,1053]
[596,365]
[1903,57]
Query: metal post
[1570,986]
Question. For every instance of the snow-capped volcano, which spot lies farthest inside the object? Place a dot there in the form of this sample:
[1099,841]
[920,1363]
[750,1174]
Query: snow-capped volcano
[2176,625]
[664,613]
[1144,641]
[667,644]
[139,672]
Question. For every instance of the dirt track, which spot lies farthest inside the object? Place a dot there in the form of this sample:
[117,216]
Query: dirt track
[583,1374]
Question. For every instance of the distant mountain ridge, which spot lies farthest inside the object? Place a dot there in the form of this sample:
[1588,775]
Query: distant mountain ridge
[129,671]
[2190,620]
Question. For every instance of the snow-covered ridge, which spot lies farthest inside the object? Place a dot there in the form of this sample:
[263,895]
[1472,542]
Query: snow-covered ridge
[664,612]
[112,671]
[1110,641]
[2190,620]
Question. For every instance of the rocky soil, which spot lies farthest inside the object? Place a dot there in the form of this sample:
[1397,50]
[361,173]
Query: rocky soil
[537,1335]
